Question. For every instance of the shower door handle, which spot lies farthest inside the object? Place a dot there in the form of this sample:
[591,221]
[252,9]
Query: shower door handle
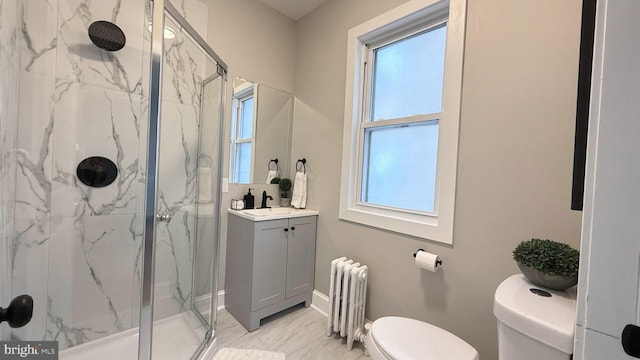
[164,217]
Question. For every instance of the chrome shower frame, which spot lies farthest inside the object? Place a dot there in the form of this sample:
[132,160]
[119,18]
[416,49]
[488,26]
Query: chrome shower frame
[151,191]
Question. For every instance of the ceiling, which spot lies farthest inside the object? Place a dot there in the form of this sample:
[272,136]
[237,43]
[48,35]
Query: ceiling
[294,9]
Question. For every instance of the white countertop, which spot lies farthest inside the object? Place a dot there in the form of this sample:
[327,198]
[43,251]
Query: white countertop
[272,213]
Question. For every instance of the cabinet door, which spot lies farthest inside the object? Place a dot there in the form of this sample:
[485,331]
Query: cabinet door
[269,263]
[301,255]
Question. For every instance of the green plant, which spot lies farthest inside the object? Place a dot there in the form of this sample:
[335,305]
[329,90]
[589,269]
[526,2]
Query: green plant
[275,180]
[284,185]
[548,256]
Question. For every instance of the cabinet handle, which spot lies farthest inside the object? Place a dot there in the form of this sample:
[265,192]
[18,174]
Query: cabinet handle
[293,228]
[285,229]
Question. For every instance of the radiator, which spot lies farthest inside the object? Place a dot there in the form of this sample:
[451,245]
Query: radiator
[347,297]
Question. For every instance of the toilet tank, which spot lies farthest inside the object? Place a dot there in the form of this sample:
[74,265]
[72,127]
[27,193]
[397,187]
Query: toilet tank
[534,323]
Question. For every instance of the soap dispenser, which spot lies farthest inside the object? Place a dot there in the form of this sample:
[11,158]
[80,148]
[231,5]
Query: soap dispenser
[249,200]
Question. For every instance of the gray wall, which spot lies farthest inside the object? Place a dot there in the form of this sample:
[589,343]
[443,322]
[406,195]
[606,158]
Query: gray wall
[515,159]
[257,43]
[514,169]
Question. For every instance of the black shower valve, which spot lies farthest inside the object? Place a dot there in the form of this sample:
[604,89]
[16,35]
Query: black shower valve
[19,311]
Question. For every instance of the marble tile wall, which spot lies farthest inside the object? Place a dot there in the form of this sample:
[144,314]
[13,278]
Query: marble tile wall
[9,65]
[74,247]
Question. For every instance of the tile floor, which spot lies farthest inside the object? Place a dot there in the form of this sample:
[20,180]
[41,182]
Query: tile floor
[298,332]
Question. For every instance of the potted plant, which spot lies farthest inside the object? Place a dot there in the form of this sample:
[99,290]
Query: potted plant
[548,263]
[284,185]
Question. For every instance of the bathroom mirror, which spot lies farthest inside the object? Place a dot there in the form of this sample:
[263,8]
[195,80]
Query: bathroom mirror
[260,132]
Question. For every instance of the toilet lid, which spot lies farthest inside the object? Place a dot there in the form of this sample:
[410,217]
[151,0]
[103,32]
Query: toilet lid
[403,338]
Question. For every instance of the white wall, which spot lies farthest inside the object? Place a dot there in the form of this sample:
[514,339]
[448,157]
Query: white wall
[514,169]
[608,300]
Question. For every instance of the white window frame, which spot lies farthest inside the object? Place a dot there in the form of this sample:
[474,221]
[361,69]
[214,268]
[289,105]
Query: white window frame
[241,93]
[405,19]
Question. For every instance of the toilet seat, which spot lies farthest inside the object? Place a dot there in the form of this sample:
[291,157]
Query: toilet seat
[403,338]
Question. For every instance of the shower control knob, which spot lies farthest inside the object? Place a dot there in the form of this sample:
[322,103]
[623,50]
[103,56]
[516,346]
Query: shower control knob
[631,340]
[163,217]
[19,311]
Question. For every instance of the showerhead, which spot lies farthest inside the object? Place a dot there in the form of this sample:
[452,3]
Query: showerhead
[107,35]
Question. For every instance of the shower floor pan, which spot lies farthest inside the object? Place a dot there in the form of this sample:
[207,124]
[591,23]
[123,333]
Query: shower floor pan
[174,338]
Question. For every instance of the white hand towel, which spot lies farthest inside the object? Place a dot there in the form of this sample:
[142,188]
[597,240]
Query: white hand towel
[271,175]
[299,198]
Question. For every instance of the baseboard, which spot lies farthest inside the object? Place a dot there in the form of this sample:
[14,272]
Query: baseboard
[204,300]
[320,302]
[220,299]
[202,303]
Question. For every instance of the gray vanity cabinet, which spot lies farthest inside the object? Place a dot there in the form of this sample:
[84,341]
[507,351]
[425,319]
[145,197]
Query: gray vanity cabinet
[270,266]
[301,255]
[269,263]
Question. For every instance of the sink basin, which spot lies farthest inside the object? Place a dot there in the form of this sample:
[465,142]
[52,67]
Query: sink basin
[272,213]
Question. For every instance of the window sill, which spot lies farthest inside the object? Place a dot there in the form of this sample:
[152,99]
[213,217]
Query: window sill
[426,227]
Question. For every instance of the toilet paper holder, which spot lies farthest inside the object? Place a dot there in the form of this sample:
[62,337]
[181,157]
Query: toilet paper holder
[438,262]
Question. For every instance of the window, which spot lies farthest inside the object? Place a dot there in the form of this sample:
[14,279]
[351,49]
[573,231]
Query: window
[242,130]
[401,119]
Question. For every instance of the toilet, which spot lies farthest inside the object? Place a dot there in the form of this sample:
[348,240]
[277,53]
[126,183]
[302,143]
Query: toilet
[533,322]
[400,338]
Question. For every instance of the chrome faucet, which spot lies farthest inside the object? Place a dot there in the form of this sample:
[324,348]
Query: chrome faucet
[264,200]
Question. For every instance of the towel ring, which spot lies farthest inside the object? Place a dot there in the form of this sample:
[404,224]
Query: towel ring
[273,161]
[304,166]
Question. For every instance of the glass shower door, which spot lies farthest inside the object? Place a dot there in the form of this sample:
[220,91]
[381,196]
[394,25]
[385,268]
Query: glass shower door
[189,161]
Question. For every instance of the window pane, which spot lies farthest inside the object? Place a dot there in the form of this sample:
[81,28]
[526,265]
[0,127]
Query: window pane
[400,166]
[243,163]
[246,120]
[408,76]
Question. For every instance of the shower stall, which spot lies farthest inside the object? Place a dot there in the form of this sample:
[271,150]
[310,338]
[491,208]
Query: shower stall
[110,157]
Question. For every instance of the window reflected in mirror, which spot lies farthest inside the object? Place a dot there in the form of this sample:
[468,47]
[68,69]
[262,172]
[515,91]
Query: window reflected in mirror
[242,129]
[260,132]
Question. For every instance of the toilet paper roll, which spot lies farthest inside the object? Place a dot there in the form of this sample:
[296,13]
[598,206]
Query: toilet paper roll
[428,261]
